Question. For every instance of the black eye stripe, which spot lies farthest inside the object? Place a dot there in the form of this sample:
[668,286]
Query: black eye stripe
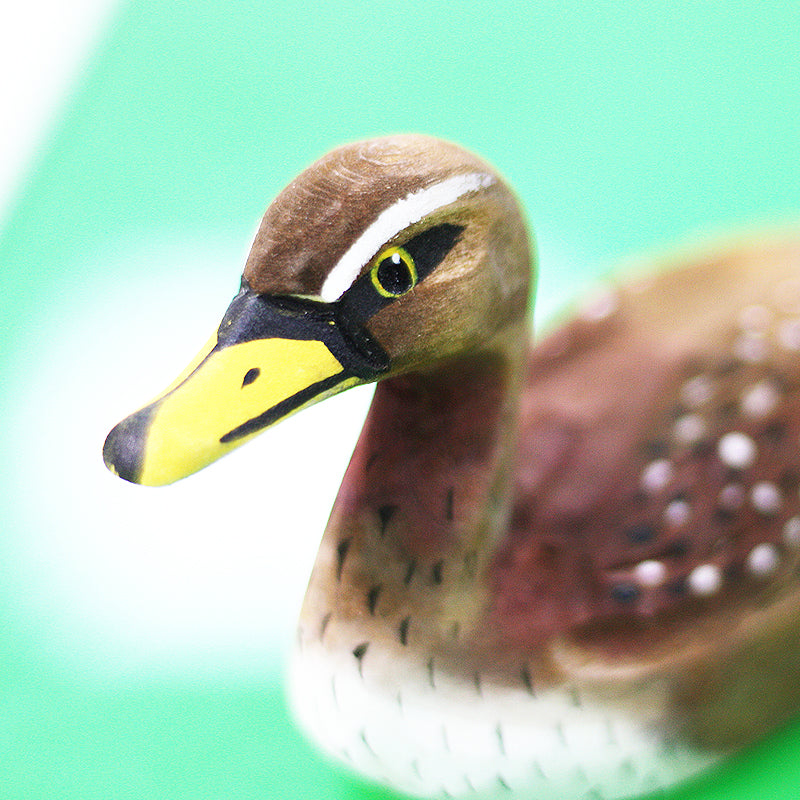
[431,246]
[427,249]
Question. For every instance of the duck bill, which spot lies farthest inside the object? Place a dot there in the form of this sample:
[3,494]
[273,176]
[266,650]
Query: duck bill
[264,363]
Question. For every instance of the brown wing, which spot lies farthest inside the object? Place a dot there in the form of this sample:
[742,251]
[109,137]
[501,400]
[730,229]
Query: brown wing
[659,462]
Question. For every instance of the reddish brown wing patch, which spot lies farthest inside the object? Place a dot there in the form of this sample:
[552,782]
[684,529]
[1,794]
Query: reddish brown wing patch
[659,461]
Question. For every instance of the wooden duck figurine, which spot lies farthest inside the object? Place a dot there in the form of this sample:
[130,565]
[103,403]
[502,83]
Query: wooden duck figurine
[567,571]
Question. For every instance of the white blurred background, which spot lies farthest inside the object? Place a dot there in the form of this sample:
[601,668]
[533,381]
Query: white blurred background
[207,574]
[44,47]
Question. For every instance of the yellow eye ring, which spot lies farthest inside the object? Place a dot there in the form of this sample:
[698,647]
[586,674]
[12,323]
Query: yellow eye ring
[394,272]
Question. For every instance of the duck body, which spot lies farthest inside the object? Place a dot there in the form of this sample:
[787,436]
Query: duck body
[581,653]
[564,571]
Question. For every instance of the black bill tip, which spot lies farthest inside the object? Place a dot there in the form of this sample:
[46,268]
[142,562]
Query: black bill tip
[123,451]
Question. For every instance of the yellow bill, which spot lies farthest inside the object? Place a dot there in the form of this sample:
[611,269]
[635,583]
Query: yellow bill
[265,362]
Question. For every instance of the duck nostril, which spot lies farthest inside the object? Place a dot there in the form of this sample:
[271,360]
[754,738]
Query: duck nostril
[250,376]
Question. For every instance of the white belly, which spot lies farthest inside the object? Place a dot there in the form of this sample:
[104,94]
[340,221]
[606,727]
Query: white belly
[405,724]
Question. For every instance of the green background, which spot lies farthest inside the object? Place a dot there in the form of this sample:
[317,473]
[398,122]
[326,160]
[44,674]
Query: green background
[144,633]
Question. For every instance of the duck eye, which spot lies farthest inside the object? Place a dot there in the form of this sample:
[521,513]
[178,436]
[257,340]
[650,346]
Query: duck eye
[394,272]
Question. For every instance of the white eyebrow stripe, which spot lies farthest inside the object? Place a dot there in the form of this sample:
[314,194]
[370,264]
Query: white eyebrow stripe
[404,212]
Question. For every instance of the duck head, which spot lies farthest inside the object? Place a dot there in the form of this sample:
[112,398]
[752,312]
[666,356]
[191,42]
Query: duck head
[385,256]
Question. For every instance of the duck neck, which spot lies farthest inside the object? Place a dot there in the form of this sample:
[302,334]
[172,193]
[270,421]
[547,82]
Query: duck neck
[425,497]
[431,457]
